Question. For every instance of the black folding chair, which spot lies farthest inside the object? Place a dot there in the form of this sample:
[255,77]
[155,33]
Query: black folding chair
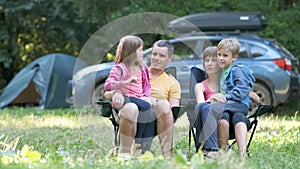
[105,109]
[197,76]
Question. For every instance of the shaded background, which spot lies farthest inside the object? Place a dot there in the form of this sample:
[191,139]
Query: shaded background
[33,28]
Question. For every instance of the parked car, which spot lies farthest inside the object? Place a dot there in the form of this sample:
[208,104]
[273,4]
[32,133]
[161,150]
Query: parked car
[274,67]
[299,85]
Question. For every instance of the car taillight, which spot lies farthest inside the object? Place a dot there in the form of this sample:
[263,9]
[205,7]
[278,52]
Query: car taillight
[283,63]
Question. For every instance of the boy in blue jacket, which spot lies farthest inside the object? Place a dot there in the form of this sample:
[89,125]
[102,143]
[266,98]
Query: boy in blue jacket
[236,82]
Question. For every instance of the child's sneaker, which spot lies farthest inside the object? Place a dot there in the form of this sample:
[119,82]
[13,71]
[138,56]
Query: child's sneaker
[124,156]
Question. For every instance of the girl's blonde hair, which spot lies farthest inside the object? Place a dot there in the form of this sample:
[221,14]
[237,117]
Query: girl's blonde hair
[231,44]
[126,51]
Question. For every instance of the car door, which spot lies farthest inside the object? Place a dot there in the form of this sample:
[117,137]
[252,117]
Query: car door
[185,57]
[244,57]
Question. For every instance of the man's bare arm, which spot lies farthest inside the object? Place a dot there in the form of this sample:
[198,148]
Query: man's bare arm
[174,102]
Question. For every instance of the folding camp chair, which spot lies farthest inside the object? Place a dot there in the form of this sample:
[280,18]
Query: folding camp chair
[197,76]
[105,109]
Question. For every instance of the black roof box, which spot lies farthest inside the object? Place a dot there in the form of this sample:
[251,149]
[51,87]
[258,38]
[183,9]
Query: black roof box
[219,21]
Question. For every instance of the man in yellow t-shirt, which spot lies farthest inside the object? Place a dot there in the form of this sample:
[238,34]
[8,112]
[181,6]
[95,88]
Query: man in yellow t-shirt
[165,86]
[165,90]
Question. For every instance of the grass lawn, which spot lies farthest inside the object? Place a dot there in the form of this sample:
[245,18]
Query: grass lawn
[69,138]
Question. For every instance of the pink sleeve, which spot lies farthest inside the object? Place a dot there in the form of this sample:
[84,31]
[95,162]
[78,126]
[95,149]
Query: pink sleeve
[146,81]
[114,80]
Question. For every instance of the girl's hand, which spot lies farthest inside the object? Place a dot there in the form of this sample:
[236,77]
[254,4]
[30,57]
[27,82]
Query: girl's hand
[117,100]
[130,80]
[218,97]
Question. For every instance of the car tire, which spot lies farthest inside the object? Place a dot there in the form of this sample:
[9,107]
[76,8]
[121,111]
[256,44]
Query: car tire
[264,95]
[98,93]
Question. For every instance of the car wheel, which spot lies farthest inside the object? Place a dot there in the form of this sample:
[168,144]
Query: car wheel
[264,95]
[98,93]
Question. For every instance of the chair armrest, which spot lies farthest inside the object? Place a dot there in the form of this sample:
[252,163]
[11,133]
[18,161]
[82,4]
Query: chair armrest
[104,108]
[178,111]
[262,109]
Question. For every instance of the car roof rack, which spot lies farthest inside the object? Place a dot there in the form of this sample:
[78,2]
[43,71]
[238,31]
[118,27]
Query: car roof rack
[223,33]
[215,33]
[219,22]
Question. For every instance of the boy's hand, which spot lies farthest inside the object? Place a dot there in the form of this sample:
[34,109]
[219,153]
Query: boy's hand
[254,97]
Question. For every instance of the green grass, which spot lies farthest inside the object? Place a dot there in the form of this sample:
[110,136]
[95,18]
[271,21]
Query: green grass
[69,138]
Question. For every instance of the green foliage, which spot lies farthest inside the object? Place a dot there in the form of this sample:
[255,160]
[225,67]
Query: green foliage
[287,24]
[8,147]
[281,143]
[288,108]
[55,139]
[30,29]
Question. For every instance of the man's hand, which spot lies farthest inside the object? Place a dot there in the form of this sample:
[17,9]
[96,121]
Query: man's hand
[117,100]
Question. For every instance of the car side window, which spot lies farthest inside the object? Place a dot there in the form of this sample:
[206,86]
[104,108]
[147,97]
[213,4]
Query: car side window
[184,50]
[243,51]
[257,51]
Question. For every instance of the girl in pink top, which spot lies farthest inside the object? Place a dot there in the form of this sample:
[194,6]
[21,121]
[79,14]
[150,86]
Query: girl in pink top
[130,76]
[205,90]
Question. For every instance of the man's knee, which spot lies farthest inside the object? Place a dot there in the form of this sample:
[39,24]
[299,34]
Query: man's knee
[162,107]
[130,111]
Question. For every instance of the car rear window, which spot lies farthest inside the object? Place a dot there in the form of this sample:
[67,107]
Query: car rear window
[282,50]
[257,51]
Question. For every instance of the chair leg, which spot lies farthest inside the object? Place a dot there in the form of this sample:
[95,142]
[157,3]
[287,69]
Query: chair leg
[254,125]
[116,136]
[231,145]
[195,140]
[190,135]
[248,154]
[252,134]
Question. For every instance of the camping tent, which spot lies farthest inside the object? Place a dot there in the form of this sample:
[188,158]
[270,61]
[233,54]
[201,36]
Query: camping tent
[42,82]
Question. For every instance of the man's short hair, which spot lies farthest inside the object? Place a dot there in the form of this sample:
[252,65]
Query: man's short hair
[165,43]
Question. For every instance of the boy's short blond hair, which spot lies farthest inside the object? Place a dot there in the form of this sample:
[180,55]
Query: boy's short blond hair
[231,44]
